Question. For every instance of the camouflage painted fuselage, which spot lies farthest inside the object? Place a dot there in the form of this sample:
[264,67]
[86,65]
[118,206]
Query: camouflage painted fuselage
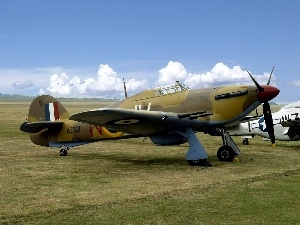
[224,103]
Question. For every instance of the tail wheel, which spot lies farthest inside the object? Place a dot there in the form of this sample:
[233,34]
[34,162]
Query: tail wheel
[226,153]
[63,152]
[245,142]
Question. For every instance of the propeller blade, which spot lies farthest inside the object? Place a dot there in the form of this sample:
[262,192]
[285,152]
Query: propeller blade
[269,121]
[260,88]
[270,76]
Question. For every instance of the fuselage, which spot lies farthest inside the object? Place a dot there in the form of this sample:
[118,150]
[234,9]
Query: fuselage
[226,104]
[73,133]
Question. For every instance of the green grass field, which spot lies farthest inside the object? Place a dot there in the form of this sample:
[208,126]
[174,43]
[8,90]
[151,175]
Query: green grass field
[135,182]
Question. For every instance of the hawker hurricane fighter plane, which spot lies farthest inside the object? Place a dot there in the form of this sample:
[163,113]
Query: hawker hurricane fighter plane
[168,115]
[286,125]
[171,115]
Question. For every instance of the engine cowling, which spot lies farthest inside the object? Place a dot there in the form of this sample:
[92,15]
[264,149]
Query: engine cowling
[168,139]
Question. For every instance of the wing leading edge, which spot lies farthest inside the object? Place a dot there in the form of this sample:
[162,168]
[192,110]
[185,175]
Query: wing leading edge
[139,121]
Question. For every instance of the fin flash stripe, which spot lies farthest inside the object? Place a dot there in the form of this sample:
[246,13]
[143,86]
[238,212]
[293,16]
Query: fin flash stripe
[51,111]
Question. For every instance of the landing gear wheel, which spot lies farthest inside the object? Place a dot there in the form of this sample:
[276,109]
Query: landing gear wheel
[226,153]
[199,162]
[63,152]
[245,142]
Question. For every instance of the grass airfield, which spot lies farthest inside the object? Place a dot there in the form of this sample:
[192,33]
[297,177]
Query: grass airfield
[135,182]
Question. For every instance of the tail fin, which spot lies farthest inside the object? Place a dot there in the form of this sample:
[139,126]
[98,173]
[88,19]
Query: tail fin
[46,108]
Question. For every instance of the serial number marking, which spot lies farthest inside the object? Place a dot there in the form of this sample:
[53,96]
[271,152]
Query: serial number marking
[74,129]
[292,116]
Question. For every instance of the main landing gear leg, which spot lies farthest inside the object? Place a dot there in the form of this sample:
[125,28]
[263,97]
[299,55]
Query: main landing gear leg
[196,155]
[64,151]
[229,150]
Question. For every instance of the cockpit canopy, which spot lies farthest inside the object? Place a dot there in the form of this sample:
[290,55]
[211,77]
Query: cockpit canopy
[169,89]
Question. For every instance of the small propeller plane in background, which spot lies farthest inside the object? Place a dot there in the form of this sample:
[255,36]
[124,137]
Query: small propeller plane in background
[286,125]
[168,115]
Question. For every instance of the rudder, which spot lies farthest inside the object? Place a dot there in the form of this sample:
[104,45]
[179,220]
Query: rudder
[46,108]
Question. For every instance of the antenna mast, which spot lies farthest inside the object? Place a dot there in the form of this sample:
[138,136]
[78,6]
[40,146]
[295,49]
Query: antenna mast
[125,91]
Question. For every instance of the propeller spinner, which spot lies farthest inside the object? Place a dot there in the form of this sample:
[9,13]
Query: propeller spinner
[264,94]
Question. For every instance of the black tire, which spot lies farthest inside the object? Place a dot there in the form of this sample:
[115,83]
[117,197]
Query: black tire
[226,153]
[63,152]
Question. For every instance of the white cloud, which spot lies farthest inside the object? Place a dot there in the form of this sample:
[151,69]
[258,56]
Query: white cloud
[22,84]
[295,83]
[220,74]
[78,82]
[106,84]
[172,72]
[42,91]
[11,80]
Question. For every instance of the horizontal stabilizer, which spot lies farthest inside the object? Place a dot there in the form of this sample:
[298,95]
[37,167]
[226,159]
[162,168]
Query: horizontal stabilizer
[36,127]
[247,136]
[292,123]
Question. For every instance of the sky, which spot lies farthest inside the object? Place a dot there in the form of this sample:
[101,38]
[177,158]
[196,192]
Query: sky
[84,48]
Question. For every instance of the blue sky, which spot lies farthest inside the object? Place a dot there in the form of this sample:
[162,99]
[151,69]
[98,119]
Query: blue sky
[85,48]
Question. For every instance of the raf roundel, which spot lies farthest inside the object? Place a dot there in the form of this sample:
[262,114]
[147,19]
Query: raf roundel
[126,122]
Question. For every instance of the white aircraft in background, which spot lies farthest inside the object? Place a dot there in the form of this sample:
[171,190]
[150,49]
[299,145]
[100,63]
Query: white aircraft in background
[286,125]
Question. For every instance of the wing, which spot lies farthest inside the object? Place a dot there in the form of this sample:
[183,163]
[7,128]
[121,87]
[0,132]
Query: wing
[35,127]
[140,121]
[295,123]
